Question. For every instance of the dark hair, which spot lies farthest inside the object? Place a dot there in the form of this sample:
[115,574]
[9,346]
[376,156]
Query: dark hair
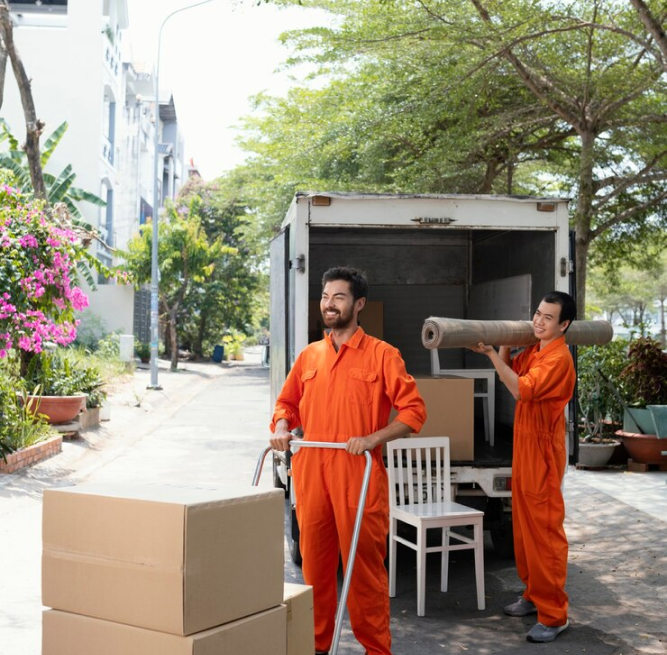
[568,308]
[357,280]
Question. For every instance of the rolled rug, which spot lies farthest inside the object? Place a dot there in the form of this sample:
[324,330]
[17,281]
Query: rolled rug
[461,333]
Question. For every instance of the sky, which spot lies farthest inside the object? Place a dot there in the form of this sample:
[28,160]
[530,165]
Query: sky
[213,58]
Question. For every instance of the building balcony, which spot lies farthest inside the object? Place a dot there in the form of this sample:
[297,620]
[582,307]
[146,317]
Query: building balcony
[107,151]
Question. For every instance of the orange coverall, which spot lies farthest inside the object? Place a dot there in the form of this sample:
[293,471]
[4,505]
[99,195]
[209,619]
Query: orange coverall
[336,396]
[546,383]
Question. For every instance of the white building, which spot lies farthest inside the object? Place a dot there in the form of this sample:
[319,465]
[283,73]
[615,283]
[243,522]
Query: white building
[73,52]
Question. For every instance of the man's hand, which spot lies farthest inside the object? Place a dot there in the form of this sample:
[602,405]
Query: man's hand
[281,441]
[359,445]
[282,436]
[482,349]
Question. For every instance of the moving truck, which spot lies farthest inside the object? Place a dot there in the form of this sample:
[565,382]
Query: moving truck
[455,256]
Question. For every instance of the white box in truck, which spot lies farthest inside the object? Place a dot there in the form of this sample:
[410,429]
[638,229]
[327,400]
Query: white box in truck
[457,256]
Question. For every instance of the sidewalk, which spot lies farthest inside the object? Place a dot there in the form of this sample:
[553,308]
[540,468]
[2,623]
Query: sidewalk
[218,415]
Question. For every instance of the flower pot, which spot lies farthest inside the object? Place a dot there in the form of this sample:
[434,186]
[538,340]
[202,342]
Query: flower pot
[659,416]
[57,409]
[638,419]
[90,418]
[595,455]
[644,448]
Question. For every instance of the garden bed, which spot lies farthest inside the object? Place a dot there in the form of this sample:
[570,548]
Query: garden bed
[32,454]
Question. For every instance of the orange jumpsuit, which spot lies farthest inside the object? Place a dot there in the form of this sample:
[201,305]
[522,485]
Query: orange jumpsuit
[546,383]
[336,396]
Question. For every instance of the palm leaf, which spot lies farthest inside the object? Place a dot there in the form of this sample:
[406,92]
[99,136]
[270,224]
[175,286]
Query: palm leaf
[57,192]
[51,143]
[5,133]
[79,194]
[73,209]
[21,174]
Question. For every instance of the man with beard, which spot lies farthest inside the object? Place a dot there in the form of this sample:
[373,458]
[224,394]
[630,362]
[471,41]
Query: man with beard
[342,389]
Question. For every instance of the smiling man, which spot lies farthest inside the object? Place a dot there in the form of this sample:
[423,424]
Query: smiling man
[541,379]
[342,389]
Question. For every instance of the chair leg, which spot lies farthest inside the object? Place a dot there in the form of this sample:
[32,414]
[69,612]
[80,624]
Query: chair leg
[444,560]
[479,565]
[392,558]
[421,572]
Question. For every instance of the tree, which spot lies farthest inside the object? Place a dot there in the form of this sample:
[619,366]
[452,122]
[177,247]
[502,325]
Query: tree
[186,257]
[34,126]
[454,95]
[227,300]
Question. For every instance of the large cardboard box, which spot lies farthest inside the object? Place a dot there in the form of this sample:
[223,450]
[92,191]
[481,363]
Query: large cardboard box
[450,413]
[298,599]
[177,560]
[71,634]
[371,319]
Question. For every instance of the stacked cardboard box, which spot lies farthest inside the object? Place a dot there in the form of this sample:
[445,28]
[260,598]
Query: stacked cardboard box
[163,570]
[298,600]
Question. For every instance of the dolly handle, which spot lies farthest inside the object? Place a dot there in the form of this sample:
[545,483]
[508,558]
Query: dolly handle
[300,443]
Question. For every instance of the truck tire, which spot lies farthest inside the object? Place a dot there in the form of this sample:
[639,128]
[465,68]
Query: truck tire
[277,482]
[294,550]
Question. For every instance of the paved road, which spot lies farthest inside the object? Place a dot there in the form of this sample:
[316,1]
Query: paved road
[209,425]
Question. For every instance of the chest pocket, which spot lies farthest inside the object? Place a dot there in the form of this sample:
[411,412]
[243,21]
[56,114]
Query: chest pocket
[361,384]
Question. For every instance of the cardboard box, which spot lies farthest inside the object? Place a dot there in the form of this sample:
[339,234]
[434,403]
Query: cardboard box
[71,634]
[371,319]
[300,627]
[450,413]
[172,559]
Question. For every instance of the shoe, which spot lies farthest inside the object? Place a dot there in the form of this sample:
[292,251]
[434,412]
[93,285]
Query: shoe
[541,634]
[522,607]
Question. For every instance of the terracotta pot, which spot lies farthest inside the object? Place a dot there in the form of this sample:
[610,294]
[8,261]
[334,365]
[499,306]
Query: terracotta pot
[644,448]
[57,409]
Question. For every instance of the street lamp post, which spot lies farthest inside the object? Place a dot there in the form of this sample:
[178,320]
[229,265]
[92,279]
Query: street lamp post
[155,273]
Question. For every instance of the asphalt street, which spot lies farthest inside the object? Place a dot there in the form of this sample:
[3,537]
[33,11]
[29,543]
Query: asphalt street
[209,424]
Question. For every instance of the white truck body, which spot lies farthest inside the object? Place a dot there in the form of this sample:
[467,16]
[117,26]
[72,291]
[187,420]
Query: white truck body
[457,256]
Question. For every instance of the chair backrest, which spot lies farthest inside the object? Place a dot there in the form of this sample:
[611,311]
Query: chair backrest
[418,470]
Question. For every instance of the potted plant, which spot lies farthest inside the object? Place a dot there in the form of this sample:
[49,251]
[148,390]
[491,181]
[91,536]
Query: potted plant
[53,388]
[599,410]
[142,350]
[234,344]
[644,388]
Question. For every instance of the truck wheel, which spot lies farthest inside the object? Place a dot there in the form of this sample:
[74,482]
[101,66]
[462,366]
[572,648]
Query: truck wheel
[503,540]
[277,482]
[294,550]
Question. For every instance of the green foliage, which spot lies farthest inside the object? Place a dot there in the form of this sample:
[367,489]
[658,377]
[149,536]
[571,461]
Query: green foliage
[597,403]
[18,427]
[234,341]
[142,350]
[60,188]
[62,373]
[644,378]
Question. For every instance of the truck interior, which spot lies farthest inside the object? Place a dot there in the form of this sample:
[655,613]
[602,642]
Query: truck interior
[417,272]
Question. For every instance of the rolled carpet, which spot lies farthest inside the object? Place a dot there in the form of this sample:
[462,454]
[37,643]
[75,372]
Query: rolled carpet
[462,333]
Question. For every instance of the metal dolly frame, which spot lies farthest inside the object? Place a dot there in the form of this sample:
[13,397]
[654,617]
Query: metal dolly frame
[300,443]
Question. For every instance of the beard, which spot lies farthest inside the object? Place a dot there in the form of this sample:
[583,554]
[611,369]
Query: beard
[338,321]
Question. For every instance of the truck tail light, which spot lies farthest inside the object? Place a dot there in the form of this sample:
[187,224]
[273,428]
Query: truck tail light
[502,484]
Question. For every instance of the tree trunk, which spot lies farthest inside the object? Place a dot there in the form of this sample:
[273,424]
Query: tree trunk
[199,339]
[173,339]
[583,217]
[33,125]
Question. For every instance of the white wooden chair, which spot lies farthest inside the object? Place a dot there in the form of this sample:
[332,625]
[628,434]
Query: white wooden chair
[420,495]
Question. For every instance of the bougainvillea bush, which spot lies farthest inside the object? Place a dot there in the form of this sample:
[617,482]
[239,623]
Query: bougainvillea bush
[39,294]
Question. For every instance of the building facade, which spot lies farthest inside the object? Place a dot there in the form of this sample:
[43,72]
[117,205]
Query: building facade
[73,51]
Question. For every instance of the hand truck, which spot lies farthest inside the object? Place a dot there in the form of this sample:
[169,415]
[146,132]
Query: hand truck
[300,443]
